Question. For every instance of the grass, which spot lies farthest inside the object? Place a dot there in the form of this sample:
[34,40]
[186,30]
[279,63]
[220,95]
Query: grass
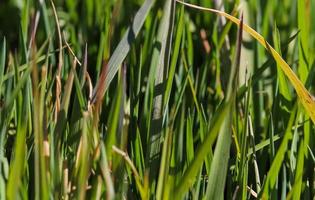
[149,99]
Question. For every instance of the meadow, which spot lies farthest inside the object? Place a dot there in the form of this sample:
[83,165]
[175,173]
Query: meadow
[157,99]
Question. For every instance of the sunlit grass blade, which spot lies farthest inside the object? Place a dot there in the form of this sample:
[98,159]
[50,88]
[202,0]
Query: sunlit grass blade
[259,72]
[304,96]
[304,27]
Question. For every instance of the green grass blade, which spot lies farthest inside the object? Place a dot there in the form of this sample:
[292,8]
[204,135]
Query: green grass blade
[159,64]
[112,135]
[170,78]
[304,27]
[123,47]
[283,85]
[106,173]
[41,185]
[192,171]
[278,159]
[21,97]
[18,165]
[298,177]
[84,159]
[219,165]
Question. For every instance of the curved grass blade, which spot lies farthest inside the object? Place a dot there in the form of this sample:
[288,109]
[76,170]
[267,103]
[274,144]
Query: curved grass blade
[304,96]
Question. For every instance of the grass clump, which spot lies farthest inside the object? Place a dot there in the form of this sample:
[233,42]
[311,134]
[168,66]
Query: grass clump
[157,100]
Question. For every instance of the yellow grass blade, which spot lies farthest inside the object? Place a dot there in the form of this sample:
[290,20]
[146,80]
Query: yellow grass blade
[304,96]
